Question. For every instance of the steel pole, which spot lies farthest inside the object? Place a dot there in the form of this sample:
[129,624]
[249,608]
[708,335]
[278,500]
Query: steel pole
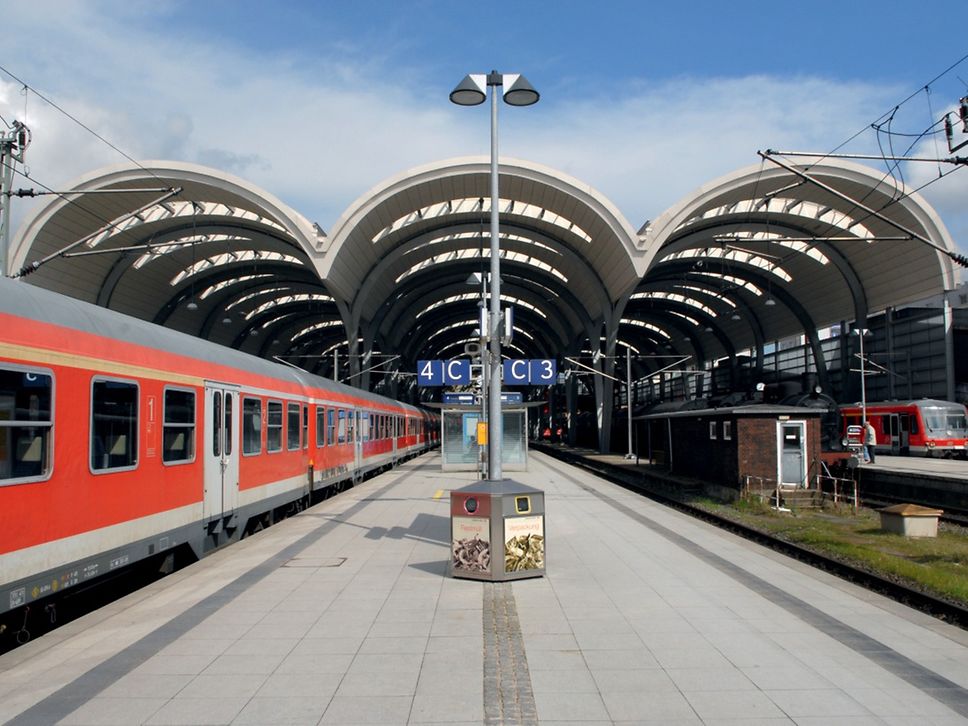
[863,382]
[6,180]
[495,422]
[628,396]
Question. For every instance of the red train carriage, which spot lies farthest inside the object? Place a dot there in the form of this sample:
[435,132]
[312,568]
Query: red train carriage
[120,440]
[924,427]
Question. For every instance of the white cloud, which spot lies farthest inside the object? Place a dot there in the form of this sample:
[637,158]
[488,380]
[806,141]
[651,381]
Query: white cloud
[319,133]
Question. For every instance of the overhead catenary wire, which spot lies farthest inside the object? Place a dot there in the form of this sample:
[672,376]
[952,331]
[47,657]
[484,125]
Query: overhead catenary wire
[28,87]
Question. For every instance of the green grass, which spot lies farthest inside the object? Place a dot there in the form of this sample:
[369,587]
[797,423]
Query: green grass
[935,565]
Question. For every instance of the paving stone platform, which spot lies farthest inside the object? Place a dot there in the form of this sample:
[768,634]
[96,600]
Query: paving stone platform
[344,615]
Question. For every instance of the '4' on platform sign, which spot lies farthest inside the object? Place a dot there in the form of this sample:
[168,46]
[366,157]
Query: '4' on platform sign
[455,372]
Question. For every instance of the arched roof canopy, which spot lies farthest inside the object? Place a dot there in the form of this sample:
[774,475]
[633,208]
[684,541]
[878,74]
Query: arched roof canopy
[805,231]
[434,220]
[154,238]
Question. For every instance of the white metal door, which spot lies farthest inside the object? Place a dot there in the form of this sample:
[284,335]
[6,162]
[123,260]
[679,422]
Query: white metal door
[791,451]
[358,439]
[221,449]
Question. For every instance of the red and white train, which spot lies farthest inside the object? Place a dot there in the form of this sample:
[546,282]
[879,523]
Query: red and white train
[120,440]
[924,427]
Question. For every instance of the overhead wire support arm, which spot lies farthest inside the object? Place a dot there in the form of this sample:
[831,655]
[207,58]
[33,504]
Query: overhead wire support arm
[768,155]
[871,157]
[34,193]
[36,264]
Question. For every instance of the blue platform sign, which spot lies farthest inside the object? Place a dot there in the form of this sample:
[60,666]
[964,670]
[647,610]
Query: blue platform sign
[454,372]
[516,373]
[462,399]
[543,372]
[535,372]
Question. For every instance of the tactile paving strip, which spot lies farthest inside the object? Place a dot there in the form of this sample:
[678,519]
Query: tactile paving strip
[508,697]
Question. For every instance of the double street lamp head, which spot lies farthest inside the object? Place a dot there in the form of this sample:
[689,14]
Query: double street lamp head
[472,91]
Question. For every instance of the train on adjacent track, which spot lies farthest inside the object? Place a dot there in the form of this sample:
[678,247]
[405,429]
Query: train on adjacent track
[922,427]
[121,441]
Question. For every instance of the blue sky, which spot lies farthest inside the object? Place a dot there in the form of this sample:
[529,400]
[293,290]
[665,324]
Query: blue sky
[317,102]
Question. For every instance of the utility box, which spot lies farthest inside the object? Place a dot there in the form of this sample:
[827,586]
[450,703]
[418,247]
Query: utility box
[911,520]
[497,531]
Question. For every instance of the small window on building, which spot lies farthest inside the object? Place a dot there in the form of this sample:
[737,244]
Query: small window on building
[727,430]
[712,429]
[178,438]
[320,426]
[274,426]
[26,424]
[292,423]
[251,426]
[114,425]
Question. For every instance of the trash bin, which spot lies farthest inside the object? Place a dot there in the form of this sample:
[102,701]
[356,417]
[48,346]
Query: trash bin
[497,531]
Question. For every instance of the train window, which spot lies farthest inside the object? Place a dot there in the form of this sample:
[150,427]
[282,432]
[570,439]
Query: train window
[320,426]
[178,436]
[351,427]
[229,436]
[365,426]
[274,426]
[251,426]
[341,431]
[292,424]
[26,424]
[712,430]
[216,433]
[114,425]
[727,430]
[330,427]
[305,426]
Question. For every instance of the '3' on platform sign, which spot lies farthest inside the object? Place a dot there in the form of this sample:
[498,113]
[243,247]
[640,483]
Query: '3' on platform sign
[455,372]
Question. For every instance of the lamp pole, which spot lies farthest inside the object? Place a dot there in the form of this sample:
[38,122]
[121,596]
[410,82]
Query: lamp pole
[861,332]
[472,91]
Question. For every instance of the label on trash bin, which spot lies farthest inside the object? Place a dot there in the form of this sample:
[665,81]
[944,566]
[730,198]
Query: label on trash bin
[471,545]
[523,543]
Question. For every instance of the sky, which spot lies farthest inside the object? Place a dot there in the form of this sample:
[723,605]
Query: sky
[319,102]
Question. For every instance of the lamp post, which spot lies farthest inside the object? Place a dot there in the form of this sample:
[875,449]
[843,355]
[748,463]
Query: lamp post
[861,332]
[472,91]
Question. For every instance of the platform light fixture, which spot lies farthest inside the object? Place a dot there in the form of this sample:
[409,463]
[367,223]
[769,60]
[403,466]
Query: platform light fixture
[472,91]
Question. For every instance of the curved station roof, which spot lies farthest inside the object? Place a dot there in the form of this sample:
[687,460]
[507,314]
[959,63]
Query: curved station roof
[767,252]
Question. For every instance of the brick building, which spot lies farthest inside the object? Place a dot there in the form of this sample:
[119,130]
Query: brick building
[723,446]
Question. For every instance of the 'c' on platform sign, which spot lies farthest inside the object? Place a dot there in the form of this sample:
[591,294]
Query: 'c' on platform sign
[454,372]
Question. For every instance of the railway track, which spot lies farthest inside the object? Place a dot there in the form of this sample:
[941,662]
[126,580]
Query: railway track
[642,484]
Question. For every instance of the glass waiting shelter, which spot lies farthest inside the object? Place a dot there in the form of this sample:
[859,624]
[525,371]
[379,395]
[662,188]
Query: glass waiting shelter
[459,447]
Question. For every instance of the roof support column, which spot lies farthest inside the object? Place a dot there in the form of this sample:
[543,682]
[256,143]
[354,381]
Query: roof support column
[949,351]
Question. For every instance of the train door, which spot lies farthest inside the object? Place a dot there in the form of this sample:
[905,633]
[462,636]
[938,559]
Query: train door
[897,429]
[394,423]
[221,451]
[358,439]
[792,453]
